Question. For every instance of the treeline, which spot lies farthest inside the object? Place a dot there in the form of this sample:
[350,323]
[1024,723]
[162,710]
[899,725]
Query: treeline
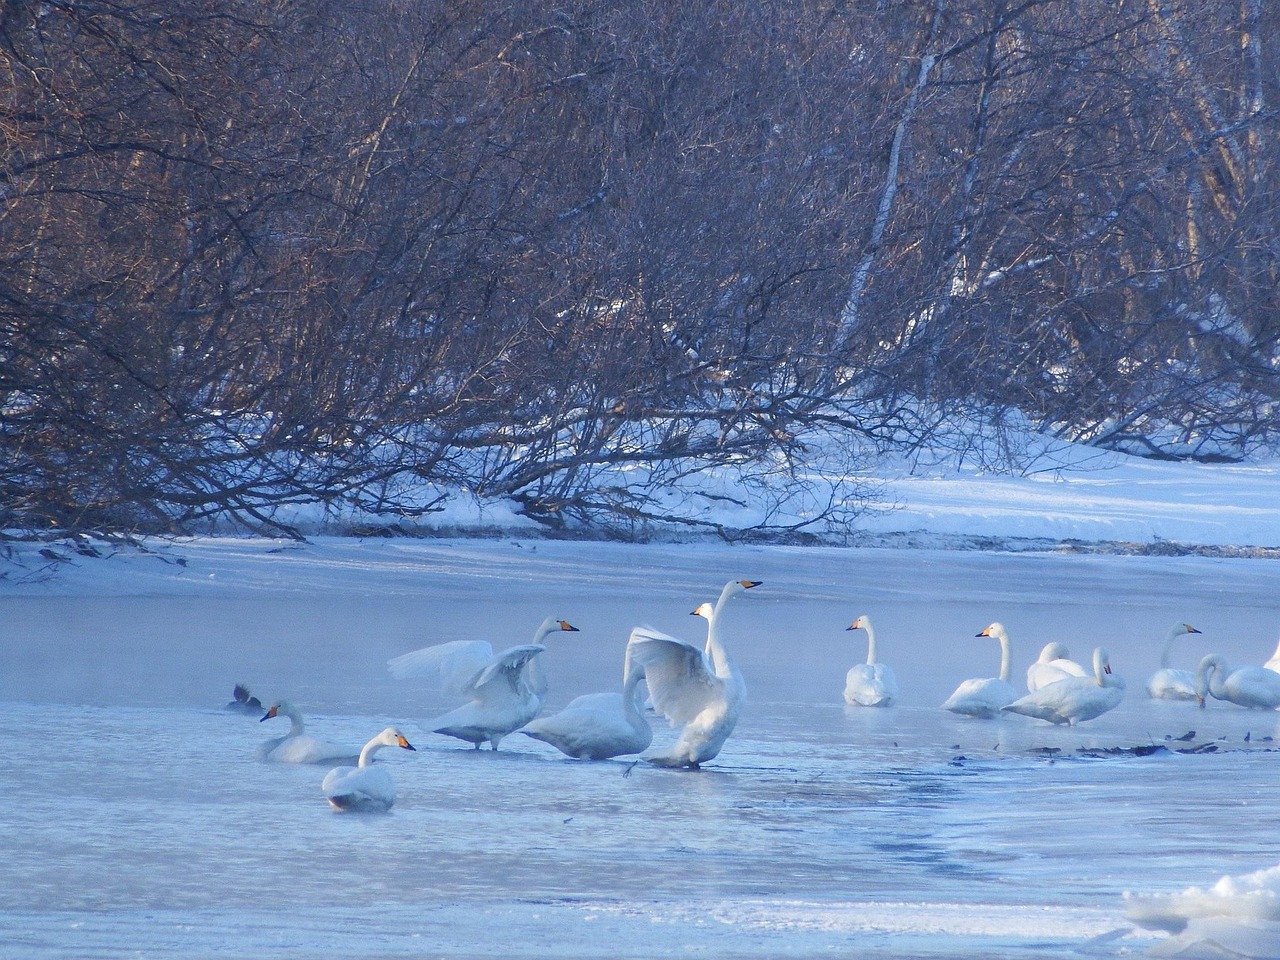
[260,253]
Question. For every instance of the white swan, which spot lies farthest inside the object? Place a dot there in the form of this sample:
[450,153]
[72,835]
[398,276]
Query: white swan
[365,787]
[1052,666]
[702,691]
[298,746]
[597,726]
[1168,683]
[505,691]
[984,697]
[1255,687]
[869,684]
[1074,699]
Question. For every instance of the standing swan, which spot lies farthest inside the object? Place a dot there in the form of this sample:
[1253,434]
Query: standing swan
[1051,666]
[598,726]
[1255,687]
[702,691]
[1168,683]
[1074,699]
[365,787]
[505,691]
[299,746]
[984,697]
[869,684]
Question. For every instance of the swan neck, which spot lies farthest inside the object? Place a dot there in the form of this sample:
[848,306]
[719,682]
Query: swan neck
[1208,676]
[871,643]
[715,650]
[367,752]
[535,677]
[631,696]
[1166,655]
[1006,660]
[296,726]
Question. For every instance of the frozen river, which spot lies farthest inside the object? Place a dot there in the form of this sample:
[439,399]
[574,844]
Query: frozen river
[138,823]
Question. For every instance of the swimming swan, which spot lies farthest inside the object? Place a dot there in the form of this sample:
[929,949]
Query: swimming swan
[1051,666]
[365,787]
[984,697]
[1074,699]
[597,726]
[1255,687]
[869,684]
[298,746]
[1168,683]
[505,691]
[704,692]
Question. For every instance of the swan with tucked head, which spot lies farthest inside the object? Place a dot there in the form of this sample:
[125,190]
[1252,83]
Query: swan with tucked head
[1254,687]
[1072,700]
[365,787]
[597,726]
[702,692]
[1169,683]
[298,746]
[1052,665]
[985,696]
[504,691]
[869,684]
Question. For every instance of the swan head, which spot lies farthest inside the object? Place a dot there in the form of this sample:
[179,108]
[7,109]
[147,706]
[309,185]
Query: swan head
[1183,628]
[281,708]
[392,737]
[553,625]
[1101,661]
[994,630]
[735,587]
[706,610]
[862,623]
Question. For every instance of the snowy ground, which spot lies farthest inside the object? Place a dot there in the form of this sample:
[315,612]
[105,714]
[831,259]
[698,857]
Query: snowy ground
[138,822]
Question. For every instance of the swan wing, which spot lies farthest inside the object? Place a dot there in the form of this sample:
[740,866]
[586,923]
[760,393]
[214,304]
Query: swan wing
[502,673]
[448,666]
[681,683]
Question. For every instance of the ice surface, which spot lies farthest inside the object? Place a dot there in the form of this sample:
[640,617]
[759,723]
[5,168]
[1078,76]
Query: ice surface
[138,823]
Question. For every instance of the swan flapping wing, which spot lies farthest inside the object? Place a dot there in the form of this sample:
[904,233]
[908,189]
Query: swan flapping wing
[681,683]
[448,666]
[503,670]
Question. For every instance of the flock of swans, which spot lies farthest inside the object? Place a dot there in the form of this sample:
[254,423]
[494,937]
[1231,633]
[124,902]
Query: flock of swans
[700,690]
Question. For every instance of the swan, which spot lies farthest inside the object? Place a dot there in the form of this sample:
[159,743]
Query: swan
[1073,699]
[1168,683]
[702,691]
[243,701]
[1254,687]
[505,691]
[365,787]
[869,684]
[298,746]
[597,726]
[1052,665]
[985,696]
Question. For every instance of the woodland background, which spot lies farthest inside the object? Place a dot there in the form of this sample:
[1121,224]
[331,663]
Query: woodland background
[256,254]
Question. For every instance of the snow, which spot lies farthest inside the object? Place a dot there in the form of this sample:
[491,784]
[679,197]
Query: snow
[138,821]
